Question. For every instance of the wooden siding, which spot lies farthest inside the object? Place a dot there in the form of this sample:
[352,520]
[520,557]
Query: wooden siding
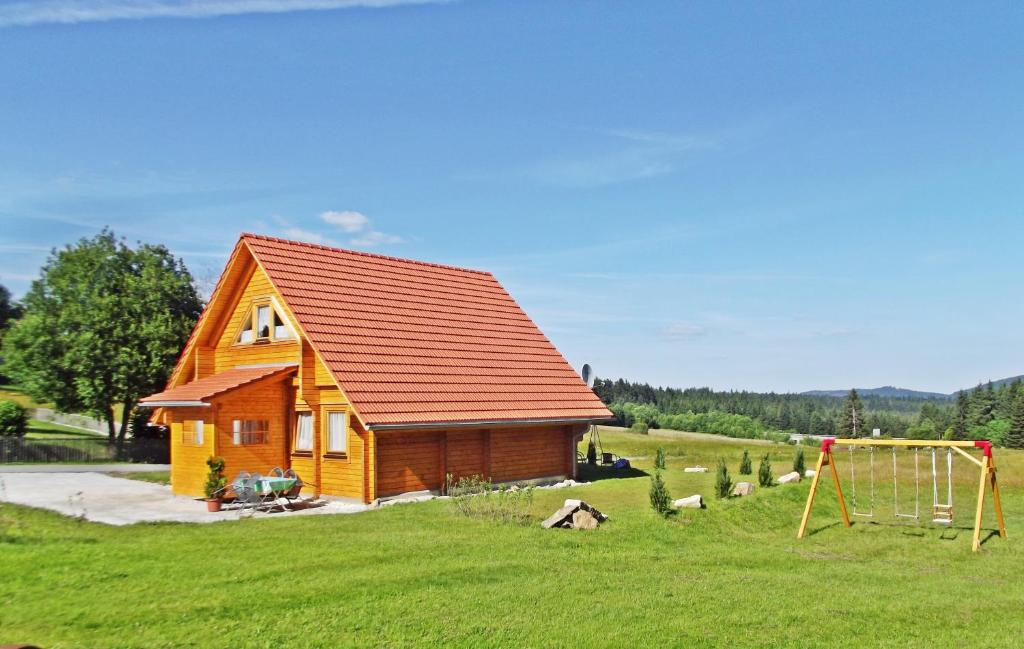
[524,453]
[188,462]
[408,461]
[268,400]
[228,354]
[466,454]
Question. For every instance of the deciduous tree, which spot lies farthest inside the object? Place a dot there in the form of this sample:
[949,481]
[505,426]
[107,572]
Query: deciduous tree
[103,326]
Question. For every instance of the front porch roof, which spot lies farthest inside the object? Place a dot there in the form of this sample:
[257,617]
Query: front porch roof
[198,392]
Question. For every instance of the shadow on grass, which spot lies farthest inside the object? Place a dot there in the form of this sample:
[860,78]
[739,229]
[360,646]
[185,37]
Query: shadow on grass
[822,528]
[590,473]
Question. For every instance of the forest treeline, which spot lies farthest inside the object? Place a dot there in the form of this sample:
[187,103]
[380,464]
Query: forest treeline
[986,412]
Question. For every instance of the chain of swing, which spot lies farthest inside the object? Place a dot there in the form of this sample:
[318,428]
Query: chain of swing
[942,508]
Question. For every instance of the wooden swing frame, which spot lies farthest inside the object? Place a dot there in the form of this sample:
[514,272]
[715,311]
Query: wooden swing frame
[987,479]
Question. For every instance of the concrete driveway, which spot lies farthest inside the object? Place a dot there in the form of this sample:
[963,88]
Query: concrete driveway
[119,501]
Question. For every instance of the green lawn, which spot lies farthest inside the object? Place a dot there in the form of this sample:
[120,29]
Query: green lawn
[14,393]
[421,575]
[158,477]
[44,429]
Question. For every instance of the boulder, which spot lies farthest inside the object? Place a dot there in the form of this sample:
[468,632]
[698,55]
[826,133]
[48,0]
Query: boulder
[792,476]
[585,506]
[743,489]
[810,473]
[690,502]
[563,515]
[584,520]
[695,469]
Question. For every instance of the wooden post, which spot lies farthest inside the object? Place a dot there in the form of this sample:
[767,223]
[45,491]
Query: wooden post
[995,498]
[810,496]
[839,489]
[985,468]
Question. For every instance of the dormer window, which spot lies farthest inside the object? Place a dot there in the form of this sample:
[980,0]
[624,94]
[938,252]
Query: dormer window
[263,324]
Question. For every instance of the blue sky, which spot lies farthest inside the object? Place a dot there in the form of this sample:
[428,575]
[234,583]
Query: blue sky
[779,196]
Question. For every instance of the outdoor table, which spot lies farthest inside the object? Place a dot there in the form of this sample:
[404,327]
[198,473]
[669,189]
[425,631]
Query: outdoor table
[276,486]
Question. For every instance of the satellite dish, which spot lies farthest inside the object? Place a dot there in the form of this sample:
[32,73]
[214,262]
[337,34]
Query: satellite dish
[587,374]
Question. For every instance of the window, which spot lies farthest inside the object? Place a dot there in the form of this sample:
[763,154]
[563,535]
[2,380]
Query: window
[246,334]
[262,324]
[192,433]
[337,432]
[303,432]
[248,432]
[263,321]
[280,331]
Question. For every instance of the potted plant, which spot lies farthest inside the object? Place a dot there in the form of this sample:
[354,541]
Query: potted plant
[215,483]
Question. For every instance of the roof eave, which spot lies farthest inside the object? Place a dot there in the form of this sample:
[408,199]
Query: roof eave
[174,404]
[480,423]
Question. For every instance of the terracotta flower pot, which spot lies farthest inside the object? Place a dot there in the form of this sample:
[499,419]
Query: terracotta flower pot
[213,504]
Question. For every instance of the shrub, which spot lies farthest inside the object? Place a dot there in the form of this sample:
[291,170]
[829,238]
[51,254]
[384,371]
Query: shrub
[661,501]
[13,419]
[723,481]
[764,472]
[659,459]
[639,427]
[475,497]
[215,481]
[798,462]
[745,464]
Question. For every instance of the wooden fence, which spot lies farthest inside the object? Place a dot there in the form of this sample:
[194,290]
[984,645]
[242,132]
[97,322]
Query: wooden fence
[81,450]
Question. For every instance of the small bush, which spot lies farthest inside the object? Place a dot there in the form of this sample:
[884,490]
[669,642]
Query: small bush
[723,481]
[659,459]
[661,500]
[764,472]
[215,480]
[476,497]
[13,419]
[745,468]
[640,428]
[798,462]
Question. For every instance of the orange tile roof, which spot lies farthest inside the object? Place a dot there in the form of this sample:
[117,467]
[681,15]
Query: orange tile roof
[205,388]
[416,343]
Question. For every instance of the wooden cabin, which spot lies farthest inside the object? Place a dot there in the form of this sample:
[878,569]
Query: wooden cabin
[371,376]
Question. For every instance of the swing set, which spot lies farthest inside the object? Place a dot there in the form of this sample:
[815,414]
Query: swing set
[942,503]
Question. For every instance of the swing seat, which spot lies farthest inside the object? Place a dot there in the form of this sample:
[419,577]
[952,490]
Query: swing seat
[942,514]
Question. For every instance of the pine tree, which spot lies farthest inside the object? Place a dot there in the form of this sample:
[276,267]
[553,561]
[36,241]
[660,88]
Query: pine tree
[764,472]
[852,424]
[798,462]
[745,464]
[1015,436]
[659,459]
[723,481]
[661,501]
[962,408]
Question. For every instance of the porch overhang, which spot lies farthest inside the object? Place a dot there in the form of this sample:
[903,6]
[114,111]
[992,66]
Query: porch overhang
[198,393]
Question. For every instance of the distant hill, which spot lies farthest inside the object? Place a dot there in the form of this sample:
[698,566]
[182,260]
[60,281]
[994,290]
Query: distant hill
[904,393]
[885,391]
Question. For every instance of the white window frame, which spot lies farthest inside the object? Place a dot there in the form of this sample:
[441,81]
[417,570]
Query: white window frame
[330,447]
[297,445]
[241,437]
[197,432]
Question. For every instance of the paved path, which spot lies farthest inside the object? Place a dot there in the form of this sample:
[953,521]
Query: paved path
[119,501]
[83,468]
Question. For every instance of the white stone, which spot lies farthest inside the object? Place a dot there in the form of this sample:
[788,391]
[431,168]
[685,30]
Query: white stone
[792,476]
[690,502]
[743,489]
[572,502]
[810,473]
[695,469]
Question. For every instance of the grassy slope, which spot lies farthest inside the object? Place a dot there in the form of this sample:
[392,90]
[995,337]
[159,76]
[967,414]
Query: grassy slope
[731,575]
[157,477]
[45,429]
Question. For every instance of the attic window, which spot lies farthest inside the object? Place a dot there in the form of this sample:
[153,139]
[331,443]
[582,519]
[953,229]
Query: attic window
[262,324]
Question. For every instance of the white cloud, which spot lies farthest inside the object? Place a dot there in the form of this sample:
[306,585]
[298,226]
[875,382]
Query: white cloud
[374,238]
[39,12]
[307,235]
[348,220]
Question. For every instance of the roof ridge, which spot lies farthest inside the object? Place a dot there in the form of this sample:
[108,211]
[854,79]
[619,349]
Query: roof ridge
[372,255]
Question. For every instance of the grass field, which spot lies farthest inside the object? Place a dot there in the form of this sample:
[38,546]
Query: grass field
[39,429]
[156,477]
[421,575]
